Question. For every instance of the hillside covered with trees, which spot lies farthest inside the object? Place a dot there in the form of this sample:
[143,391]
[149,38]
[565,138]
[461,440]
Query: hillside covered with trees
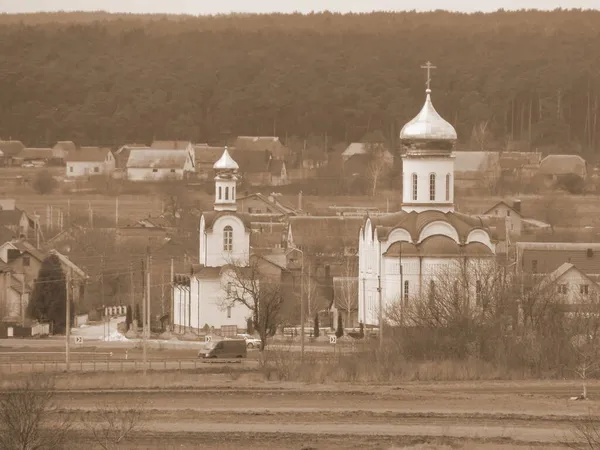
[101,79]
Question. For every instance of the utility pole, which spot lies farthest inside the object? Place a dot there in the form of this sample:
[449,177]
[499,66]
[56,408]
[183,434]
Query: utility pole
[380,312]
[302,307]
[117,212]
[172,302]
[22,303]
[68,320]
[143,319]
[148,321]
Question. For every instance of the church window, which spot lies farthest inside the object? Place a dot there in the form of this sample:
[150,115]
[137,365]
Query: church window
[226,192]
[229,312]
[432,186]
[220,197]
[406,286]
[227,239]
[415,178]
[448,187]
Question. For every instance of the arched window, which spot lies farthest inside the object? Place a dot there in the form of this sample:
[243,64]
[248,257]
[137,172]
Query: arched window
[227,239]
[448,187]
[226,192]
[415,179]
[432,186]
[406,286]
[220,193]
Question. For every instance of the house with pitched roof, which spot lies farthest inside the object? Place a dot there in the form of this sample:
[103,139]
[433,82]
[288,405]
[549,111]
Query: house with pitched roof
[90,161]
[476,169]
[62,148]
[172,145]
[10,149]
[571,286]
[552,167]
[15,219]
[262,144]
[534,258]
[153,164]
[37,156]
[122,154]
[265,207]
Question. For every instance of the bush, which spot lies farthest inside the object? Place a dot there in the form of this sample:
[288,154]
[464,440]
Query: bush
[44,182]
[317,332]
[340,327]
[571,183]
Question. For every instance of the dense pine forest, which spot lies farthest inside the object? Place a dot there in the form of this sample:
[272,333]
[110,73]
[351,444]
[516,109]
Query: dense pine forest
[103,79]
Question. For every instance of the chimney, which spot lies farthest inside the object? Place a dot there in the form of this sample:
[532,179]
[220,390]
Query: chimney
[517,205]
[300,201]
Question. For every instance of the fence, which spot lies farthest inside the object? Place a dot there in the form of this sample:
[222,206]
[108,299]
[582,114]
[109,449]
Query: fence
[116,366]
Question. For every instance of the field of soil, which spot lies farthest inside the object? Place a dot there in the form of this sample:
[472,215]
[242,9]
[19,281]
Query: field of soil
[223,411]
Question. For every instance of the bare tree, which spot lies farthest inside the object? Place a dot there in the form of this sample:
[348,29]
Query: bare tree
[114,424]
[346,288]
[247,285]
[310,289]
[29,418]
[377,167]
[585,432]
[481,135]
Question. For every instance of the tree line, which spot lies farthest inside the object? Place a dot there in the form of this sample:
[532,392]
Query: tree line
[101,79]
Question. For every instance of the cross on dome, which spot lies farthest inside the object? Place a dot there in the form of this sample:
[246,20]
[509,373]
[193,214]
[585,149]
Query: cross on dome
[428,66]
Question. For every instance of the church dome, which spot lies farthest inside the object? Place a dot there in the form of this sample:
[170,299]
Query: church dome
[226,162]
[428,125]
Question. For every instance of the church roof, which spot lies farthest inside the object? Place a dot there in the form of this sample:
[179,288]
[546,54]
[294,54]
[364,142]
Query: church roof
[226,162]
[428,125]
[414,222]
[211,216]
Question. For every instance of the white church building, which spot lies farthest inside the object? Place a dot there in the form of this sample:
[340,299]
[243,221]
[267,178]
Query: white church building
[401,253]
[200,297]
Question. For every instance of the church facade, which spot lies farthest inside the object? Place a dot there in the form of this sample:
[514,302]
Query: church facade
[200,298]
[403,255]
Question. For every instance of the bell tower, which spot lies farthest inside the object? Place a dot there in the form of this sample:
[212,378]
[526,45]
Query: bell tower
[225,183]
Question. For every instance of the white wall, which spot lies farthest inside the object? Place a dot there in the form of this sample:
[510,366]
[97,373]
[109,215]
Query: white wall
[423,167]
[206,306]
[83,169]
[211,242]
[573,279]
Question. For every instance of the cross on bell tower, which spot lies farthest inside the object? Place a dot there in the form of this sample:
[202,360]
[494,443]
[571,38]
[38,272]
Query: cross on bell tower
[428,66]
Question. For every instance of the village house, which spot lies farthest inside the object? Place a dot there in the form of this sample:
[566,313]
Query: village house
[90,161]
[15,219]
[535,258]
[10,149]
[361,148]
[262,144]
[478,170]
[173,145]
[152,164]
[62,148]
[122,155]
[553,167]
[265,207]
[511,214]
[571,286]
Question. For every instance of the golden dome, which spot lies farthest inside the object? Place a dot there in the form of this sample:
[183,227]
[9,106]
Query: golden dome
[428,125]
[226,162]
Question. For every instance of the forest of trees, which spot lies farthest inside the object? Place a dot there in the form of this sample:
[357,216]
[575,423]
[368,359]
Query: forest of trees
[100,79]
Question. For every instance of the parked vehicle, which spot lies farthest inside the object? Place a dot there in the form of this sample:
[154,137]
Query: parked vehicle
[229,348]
[251,341]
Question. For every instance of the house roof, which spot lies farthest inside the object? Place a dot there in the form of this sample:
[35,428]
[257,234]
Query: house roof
[414,222]
[11,148]
[148,158]
[10,217]
[206,154]
[67,146]
[88,154]
[475,161]
[267,235]
[170,145]
[211,216]
[127,147]
[35,153]
[361,148]
[517,160]
[275,204]
[551,255]
[329,234]
[562,165]
[502,202]
[256,143]
[26,247]
[251,162]
[562,270]
[6,235]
